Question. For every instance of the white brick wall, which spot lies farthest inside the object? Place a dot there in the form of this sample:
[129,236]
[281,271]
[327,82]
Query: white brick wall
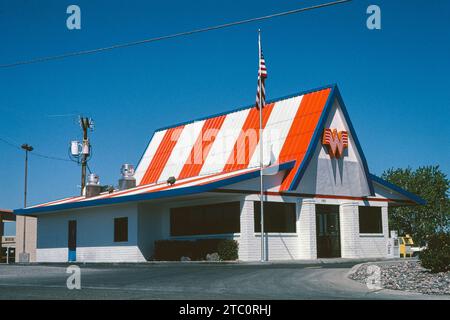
[306,229]
[92,254]
[152,222]
[372,247]
[95,235]
[110,254]
[356,245]
[52,255]
[303,244]
[349,229]
[279,246]
[375,246]
[246,241]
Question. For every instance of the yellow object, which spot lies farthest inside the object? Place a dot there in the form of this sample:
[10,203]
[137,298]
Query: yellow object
[406,243]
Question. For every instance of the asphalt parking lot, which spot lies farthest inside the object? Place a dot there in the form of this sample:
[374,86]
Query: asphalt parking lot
[190,281]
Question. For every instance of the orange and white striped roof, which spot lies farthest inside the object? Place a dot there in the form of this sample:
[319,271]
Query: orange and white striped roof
[230,142]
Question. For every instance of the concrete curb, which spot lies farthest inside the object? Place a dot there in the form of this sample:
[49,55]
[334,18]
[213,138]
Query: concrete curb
[243,263]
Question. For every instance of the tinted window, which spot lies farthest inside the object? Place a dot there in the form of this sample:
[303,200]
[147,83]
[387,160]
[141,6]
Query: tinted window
[370,220]
[220,218]
[278,217]
[121,229]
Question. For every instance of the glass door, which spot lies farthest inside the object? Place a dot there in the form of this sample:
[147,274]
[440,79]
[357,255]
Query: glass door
[328,231]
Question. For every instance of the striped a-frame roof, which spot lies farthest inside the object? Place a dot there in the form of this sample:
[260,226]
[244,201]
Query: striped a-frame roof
[230,142]
[218,150]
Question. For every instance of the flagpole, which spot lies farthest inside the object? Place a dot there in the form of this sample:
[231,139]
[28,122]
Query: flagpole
[263,255]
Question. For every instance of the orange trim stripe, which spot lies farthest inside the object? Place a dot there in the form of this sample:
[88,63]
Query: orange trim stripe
[157,186]
[162,155]
[69,199]
[245,146]
[201,148]
[199,179]
[301,131]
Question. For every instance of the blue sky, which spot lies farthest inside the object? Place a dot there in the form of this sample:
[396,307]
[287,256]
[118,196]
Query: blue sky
[394,80]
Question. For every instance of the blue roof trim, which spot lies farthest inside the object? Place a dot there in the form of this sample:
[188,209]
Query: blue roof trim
[152,195]
[396,188]
[316,137]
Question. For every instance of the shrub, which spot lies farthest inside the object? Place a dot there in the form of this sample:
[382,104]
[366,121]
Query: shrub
[228,250]
[436,257]
[205,246]
[173,250]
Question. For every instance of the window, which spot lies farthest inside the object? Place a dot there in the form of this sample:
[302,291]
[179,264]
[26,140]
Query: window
[278,217]
[370,220]
[121,229]
[219,218]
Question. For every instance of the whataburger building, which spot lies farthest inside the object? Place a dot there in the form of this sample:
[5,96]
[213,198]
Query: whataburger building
[320,198]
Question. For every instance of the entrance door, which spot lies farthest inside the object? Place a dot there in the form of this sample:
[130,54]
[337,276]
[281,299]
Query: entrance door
[327,230]
[72,240]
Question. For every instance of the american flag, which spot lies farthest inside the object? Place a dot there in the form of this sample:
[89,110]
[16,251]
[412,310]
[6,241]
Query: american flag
[262,74]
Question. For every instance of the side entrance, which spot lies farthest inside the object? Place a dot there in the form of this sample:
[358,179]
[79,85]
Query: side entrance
[72,241]
[328,231]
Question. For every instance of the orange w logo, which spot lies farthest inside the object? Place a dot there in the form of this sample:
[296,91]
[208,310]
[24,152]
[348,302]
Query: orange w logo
[335,141]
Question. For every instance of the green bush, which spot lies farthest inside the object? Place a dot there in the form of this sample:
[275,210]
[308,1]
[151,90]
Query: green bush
[228,250]
[436,257]
[196,250]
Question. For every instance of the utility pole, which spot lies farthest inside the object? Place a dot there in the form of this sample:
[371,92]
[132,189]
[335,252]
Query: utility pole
[24,257]
[85,124]
[81,151]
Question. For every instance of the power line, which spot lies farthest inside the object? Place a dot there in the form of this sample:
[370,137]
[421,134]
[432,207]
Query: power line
[49,157]
[36,154]
[10,143]
[171,36]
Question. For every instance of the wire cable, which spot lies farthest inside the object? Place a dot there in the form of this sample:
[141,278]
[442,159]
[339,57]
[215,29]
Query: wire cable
[171,36]
[10,143]
[49,157]
[37,154]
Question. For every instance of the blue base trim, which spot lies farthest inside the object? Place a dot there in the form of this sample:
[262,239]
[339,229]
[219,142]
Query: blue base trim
[72,256]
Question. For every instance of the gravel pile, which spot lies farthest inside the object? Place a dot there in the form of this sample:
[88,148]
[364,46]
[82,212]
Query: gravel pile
[407,276]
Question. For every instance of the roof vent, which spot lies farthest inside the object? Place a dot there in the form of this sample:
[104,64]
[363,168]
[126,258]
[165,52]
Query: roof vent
[127,180]
[93,187]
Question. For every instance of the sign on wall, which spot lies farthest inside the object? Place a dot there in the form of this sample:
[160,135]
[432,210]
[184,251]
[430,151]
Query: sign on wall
[335,141]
